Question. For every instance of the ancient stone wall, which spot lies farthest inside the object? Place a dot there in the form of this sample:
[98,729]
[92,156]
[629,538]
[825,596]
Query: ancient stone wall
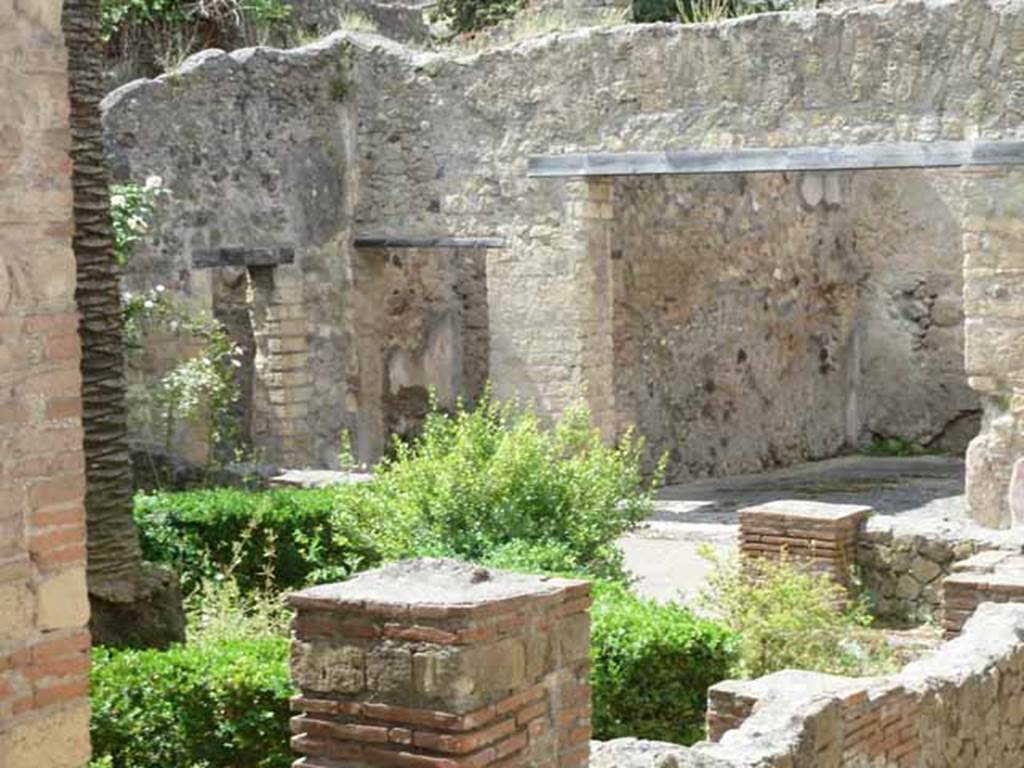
[763,319]
[962,705]
[437,144]
[44,643]
[254,154]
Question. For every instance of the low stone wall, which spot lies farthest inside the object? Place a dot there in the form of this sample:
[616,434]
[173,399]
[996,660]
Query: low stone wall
[989,577]
[962,706]
[902,561]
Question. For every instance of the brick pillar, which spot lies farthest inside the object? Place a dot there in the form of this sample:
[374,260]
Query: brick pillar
[283,379]
[44,607]
[824,535]
[440,664]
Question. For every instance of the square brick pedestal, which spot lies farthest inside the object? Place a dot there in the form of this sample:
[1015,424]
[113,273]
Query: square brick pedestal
[440,664]
[988,577]
[824,535]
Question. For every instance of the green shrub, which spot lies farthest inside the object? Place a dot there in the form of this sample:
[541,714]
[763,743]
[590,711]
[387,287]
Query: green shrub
[481,485]
[651,666]
[265,539]
[472,15]
[697,11]
[219,704]
[788,617]
[481,480]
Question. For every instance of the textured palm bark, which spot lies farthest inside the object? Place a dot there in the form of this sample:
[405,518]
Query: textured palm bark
[114,558]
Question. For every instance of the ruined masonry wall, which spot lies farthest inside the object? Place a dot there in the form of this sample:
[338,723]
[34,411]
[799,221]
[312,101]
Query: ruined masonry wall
[437,143]
[962,705]
[44,643]
[770,316]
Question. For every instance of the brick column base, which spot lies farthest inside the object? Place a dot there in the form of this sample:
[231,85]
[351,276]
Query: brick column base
[440,664]
[822,535]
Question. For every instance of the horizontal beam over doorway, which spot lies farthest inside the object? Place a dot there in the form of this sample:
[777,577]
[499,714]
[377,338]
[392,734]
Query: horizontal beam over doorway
[242,257]
[851,157]
[396,241]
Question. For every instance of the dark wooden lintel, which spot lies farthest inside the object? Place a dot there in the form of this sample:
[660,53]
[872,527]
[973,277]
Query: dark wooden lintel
[242,257]
[939,154]
[402,241]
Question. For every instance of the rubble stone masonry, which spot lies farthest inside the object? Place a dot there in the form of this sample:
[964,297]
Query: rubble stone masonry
[44,643]
[821,308]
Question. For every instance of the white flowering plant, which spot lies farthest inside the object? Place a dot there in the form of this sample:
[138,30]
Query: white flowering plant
[203,388]
[131,211]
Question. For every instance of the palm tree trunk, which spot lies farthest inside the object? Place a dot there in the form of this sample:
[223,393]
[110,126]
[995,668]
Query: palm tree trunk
[116,577]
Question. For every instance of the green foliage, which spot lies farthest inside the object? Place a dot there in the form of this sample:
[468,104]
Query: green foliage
[131,211]
[201,389]
[115,15]
[219,703]
[789,617]
[478,485]
[473,15]
[651,666]
[276,539]
[696,11]
[481,479]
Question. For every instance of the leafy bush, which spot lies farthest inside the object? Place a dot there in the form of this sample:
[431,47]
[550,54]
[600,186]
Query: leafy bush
[483,479]
[221,701]
[156,35]
[696,11]
[472,15]
[221,704]
[651,666]
[478,485]
[272,538]
[787,616]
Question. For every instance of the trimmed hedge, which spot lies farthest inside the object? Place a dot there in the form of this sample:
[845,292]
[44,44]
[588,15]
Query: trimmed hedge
[272,538]
[213,705]
[474,484]
[224,703]
[651,666]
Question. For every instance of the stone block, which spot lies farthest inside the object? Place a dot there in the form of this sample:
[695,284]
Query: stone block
[994,347]
[17,610]
[63,602]
[824,536]
[56,738]
[321,667]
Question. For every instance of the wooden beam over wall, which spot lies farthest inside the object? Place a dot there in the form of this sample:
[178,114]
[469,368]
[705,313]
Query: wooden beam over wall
[852,157]
[403,241]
